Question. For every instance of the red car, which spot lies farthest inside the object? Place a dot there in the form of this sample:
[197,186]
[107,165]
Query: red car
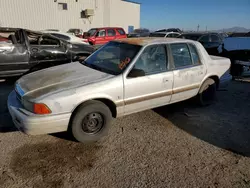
[100,36]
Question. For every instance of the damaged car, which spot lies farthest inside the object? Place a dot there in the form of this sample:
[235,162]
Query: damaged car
[124,76]
[237,49]
[24,51]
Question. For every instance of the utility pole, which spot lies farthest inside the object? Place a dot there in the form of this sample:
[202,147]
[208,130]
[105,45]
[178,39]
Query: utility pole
[198,27]
[206,28]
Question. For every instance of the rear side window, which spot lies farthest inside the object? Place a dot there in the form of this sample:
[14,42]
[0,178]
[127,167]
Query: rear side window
[61,36]
[111,32]
[121,31]
[194,54]
[181,55]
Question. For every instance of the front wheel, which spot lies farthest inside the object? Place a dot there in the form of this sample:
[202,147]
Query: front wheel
[91,122]
[207,93]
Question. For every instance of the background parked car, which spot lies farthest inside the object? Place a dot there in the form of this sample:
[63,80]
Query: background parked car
[29,51]
[211,41]
[139,33]
[66,36]
[165,34]
[76,32]
[53,30]
[100,36]
[237,49]
[170,30]
[240,34]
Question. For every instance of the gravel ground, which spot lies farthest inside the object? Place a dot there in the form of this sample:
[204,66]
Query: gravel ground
[179,145]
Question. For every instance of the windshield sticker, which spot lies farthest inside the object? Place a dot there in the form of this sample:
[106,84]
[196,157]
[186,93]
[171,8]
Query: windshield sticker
[123,63]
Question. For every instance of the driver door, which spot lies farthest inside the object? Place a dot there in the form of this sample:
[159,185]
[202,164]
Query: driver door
[48,49]
[155,87]
[100,37]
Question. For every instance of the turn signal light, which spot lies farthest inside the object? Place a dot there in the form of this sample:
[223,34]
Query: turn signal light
[41,108]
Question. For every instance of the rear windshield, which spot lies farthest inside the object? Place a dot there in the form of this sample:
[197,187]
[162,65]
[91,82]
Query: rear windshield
[112,58]
[157,35]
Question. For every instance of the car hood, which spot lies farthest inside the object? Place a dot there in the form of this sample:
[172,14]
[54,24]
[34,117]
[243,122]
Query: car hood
[58,78]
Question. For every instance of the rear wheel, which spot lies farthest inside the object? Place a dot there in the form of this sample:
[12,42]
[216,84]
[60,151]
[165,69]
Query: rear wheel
[91,122]
[207,93]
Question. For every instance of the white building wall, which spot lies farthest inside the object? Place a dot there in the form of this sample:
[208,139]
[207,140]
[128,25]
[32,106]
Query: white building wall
[44,14]
[124,14]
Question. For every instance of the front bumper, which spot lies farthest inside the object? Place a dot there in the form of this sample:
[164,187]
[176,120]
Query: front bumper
[33,124]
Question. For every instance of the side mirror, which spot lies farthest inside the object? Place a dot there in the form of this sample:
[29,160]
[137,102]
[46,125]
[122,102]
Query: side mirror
[136,73]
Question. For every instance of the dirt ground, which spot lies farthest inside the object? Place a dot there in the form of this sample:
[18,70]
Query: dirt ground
[180,145]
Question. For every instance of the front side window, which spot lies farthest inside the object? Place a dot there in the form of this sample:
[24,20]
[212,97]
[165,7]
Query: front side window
[153,60]
[111,32]
[101,33]
[112,58]
[181,55]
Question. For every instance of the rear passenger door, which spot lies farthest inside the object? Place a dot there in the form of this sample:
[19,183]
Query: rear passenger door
[188,71]
[111,35]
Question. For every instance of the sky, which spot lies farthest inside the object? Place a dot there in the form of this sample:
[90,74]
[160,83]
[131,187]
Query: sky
[187,14]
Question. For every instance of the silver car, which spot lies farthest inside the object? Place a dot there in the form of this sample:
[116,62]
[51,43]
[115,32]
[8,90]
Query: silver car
[120,78]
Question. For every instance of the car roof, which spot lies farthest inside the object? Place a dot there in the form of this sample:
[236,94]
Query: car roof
[143,41]
[107,28]
[165,32]
[199,33]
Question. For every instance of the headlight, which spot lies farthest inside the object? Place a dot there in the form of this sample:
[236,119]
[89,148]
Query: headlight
[37,108]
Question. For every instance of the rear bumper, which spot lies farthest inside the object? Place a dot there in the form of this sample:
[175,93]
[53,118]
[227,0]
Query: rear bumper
[33,124]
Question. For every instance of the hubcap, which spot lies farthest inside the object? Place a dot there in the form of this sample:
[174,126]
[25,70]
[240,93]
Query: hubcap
[92,123]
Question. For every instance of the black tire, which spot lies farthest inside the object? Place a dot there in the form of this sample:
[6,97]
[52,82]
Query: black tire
[207,92]
[83,127]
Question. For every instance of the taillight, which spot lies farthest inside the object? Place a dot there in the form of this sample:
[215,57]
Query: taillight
[40,108]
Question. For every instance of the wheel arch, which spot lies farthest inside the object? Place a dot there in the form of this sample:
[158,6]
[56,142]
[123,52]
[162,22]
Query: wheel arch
[214,77]
[109,103]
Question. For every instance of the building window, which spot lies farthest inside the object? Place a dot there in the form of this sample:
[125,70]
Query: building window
[62,6]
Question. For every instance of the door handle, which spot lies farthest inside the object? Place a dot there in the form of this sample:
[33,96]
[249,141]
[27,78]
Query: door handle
[165,80]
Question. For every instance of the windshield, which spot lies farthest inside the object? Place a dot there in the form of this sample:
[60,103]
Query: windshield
[112,58]
[91,32]
[157,35]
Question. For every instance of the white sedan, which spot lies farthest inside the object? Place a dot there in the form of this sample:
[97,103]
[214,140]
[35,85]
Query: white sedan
[123,77]
[66,36]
